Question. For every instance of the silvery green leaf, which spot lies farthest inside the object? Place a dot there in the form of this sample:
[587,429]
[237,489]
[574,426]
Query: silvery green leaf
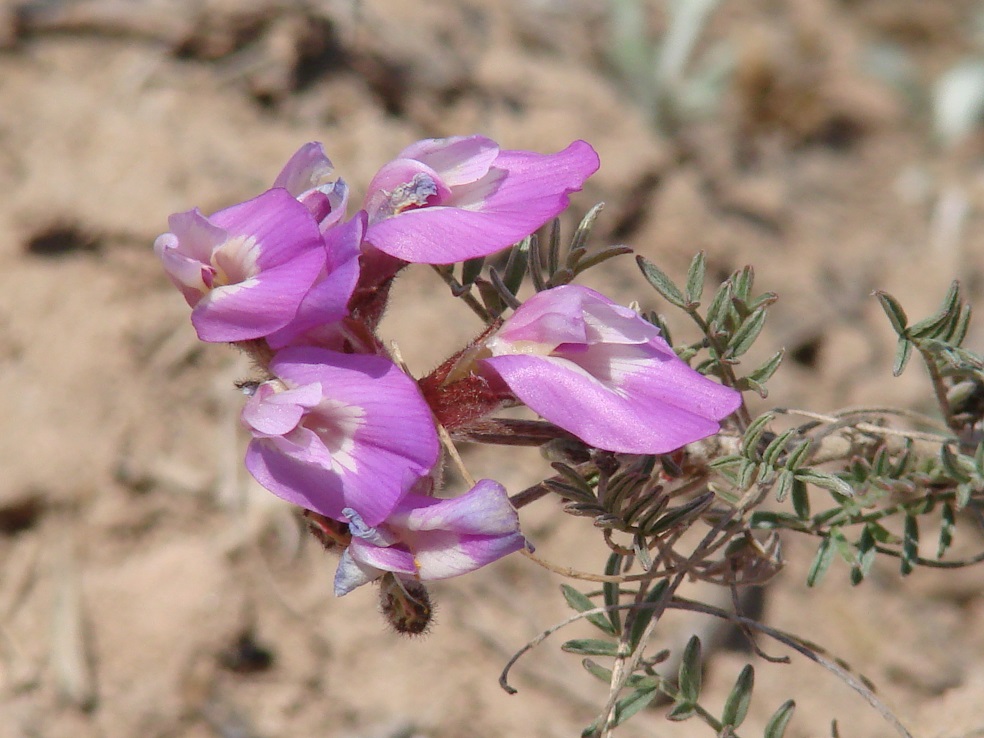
[682,711]
[821,562]
[736,706]
[744,279]
[776,727]
[582,603]
[661,282]
[784,485]
[825,481]
[777,446]
[746,334]
[903,351]
[896,315]
[865,556]
[800,498]
[720,307]
[611,593]
[695,278]
[597,670]
[795,458]
[910,544]
[691,672]
[952,464]
[764,373]
[645,614]
[591,647]
[958,331]
[629,706]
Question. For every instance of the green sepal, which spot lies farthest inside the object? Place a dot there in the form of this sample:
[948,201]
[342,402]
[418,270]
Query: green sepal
[534,265]
[471,270]
[519,256]
[581,234]
[599,257]
[491,299]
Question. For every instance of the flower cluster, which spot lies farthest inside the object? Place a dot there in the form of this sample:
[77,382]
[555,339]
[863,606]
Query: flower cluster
[337,427]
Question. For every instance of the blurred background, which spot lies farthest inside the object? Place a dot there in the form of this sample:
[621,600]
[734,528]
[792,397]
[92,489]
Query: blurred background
[147,588]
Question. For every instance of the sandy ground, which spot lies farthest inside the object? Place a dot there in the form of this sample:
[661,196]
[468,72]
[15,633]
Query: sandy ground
[138,562]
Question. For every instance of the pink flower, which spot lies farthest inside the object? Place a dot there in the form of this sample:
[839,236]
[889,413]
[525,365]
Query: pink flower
[601,372]
[317,318]
[307,176]
[245,269]
[446,200]
[335,431]
[426,538]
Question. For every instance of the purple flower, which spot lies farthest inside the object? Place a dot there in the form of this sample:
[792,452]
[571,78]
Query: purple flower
[601,372]
[426,538]
[445,200]
[318,316]
[336,431]
[245,269]
[307,177]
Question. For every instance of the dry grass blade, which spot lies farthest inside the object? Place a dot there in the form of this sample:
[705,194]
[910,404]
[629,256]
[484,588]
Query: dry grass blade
[71,656]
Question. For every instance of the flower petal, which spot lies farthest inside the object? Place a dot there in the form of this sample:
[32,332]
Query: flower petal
[352,573]
[374,436]
[401,186]
[637,419]
[521,192]
[458,160]
[327,301]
